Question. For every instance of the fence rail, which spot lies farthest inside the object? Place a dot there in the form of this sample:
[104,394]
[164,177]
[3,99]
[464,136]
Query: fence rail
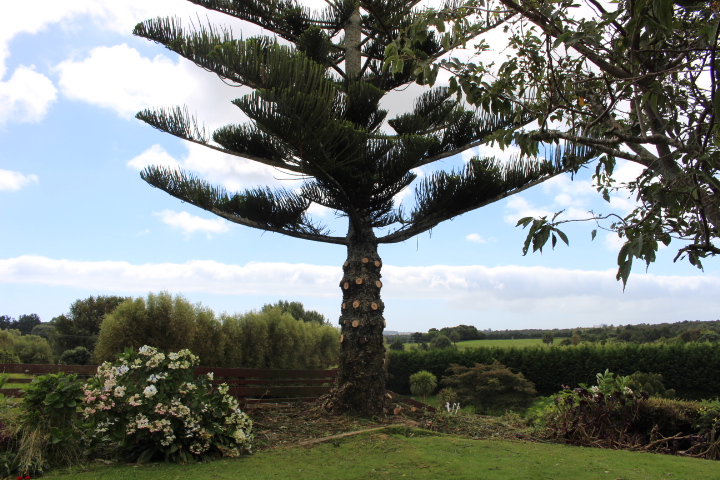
[248,385]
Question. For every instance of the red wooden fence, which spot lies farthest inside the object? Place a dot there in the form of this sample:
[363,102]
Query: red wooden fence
[248,385]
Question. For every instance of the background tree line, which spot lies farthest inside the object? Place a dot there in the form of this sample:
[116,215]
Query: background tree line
[685,331]
[279,335]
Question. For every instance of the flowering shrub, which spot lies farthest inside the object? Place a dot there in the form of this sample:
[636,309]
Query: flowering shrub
[151,404]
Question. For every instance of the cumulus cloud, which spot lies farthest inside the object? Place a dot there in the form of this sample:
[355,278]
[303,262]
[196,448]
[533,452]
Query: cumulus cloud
[26,96]
[518,207]
[191,223]
[575,197]
[121,79]
[572,297]
[155,155]
[193,276]
[475,238]
[12,181]
[233,173]
[120,17]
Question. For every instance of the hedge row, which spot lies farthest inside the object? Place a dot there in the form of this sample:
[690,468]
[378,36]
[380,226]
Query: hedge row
[693,370]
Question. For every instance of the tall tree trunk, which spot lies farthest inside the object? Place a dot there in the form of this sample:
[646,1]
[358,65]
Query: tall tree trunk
[360,385]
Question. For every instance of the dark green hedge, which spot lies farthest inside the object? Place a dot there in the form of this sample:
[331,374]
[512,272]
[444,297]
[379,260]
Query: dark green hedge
[693,369]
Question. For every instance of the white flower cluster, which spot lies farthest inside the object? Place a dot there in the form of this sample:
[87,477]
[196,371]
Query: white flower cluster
[150,397]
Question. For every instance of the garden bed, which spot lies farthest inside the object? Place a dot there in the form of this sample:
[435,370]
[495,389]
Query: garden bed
[276,426]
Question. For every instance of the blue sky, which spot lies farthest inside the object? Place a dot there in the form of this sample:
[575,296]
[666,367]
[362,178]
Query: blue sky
[77,220]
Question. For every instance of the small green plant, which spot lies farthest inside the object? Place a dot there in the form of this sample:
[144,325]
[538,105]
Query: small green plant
[447,395]
[423,383]
[45,431]
[491,389]
[397,344]
[150,405]
[76,356]
[651,383]
[440,342]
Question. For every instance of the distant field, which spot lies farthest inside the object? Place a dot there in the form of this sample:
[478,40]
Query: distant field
[523,342]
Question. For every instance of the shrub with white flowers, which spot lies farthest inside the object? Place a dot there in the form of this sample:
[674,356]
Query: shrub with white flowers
[151,405]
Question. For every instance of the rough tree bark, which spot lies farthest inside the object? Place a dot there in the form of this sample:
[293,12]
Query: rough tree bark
[360,384]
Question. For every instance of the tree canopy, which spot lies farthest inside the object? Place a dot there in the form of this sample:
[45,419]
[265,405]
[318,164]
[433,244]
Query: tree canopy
[80,327]
[24,324]
[297,310]
[633,80]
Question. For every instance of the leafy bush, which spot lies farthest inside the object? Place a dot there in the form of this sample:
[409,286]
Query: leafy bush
[423,383]
[651,383]
[46,430]
[440,342]
[492,388]
[27,348]
[610,414]
[150,405]
[600,415]
[161,320]
[7,356]
[397,344]
[266,339]
[273,339]
[76,356]
[447,396]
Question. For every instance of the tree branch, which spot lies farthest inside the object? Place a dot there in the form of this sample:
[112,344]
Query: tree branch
[290,233]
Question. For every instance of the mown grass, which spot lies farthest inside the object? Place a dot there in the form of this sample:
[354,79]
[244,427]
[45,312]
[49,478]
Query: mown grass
[397,452]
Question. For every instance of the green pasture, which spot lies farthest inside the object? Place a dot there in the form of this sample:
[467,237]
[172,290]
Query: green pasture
[398,453]
[521,342]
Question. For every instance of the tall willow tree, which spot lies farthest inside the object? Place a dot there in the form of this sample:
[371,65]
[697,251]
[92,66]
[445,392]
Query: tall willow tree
[314,112]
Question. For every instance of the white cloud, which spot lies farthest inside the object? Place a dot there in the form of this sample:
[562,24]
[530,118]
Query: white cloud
[120,79]
[475,238]
[193,276]
[518,207]
[613,242]
[26,96]
[191,223]
[155,155]
[570,297]
[575,197]
[233,173]
[492,151]
[120,17]
[626,171]
[12,181]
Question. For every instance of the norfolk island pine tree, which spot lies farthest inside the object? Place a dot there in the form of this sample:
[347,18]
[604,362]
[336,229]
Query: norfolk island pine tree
[314,112]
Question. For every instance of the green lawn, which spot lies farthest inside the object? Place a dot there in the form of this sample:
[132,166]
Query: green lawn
[396,453]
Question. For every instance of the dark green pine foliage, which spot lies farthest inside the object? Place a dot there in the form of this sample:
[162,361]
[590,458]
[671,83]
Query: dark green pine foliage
[314,111]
